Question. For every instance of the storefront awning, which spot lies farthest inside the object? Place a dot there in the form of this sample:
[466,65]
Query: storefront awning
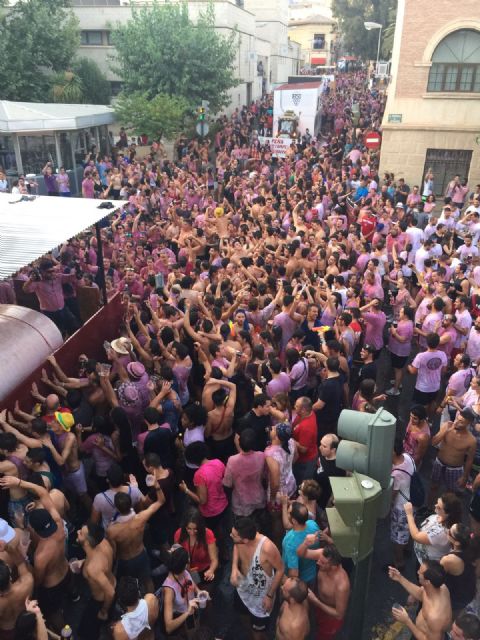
[319,60]
[30,229]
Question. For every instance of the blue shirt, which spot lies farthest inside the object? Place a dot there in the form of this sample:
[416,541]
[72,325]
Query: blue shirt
[307,569]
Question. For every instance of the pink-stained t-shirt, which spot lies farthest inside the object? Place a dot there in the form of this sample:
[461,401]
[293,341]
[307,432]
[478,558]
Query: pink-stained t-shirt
[404,330]
[101,459]
[429,365]
[459,382]
[211,475]
[244,473]
[280,384]
[374,323]
[428,325]
[473,345]
[50,292]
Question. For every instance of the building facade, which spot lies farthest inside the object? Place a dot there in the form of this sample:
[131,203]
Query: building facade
[432,115]
[311,24]
[265,55]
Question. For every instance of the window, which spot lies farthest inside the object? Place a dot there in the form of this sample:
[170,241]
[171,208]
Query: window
[445,164]
[456,63]
[91,37]
[319,41]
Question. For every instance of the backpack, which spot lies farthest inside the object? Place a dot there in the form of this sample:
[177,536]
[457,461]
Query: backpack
[417,490]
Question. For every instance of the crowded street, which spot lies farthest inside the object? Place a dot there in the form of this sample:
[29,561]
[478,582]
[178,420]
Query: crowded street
[179,484]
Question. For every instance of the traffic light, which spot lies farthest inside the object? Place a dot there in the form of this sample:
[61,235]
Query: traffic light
[367,447]
[202,113]
[353,519]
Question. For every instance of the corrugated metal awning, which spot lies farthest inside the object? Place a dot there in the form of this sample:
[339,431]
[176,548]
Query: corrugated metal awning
[30,229]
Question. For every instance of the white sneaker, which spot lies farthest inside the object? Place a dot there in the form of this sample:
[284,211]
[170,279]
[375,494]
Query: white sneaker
[392,392]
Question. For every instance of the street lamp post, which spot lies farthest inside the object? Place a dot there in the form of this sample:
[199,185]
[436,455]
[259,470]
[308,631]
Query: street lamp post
[370,26]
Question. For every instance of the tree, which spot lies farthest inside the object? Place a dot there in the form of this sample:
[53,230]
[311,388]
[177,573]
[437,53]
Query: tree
[96,87]
[160,116]
[351,15]
[67,87]
[37,38]
[161,51]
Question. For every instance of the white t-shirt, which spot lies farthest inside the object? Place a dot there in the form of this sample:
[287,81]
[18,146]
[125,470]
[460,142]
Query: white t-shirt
[415,236]
[402,476]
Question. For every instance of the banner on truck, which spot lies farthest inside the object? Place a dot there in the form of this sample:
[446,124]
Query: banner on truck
[279,146]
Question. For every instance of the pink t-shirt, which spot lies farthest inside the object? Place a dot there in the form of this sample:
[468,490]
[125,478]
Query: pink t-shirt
[404,330]
[211,475]
[280,384]
[245,472]
[473,345]
[429,365]
[374,323]
[459,382]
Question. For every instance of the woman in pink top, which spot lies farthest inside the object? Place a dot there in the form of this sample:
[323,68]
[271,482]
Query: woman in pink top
[209,493]
[399,345]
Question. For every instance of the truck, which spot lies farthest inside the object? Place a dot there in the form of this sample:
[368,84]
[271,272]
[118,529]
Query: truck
[296,108]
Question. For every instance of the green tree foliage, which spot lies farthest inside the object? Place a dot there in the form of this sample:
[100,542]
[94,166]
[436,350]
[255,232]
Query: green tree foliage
[37,38]
[95,86]
[351,15]
[162,51]
[161,116]
[67,87]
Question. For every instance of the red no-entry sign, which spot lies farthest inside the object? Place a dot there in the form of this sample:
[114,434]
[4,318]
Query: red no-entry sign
[372,140]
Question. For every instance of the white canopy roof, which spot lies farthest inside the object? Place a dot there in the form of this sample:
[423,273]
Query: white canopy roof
[16,117]
[30,229]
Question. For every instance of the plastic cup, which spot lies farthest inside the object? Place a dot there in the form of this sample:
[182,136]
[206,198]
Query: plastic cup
[150,480]
[74,565]
[105,369]
[202,598]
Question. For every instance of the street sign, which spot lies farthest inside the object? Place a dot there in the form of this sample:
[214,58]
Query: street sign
[372,140]
[202,128]
[395,117]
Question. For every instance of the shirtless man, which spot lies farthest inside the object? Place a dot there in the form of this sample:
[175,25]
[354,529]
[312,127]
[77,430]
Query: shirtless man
[97,571]
[333,587]
[293,620]
[220,418]
[12,594]
[126,534]
[257,571]
[454,460]
[65,454]
[50,567]
[435,615]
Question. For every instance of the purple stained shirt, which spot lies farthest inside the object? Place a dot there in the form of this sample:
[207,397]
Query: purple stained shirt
[50,182]
[288,326]
[280,384]
[374,323]
[404,330]
[245,472]
[429,365]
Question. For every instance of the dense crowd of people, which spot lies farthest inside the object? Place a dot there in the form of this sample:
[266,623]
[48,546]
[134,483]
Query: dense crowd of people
[187,472]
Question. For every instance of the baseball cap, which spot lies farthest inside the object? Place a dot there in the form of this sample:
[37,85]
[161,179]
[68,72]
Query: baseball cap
[65,419]
[7,533]
[399,205]
[42,522]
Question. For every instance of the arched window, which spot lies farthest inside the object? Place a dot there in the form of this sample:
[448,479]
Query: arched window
[456,63]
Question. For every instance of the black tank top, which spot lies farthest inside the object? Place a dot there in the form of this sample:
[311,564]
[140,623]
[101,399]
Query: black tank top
[463,587]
